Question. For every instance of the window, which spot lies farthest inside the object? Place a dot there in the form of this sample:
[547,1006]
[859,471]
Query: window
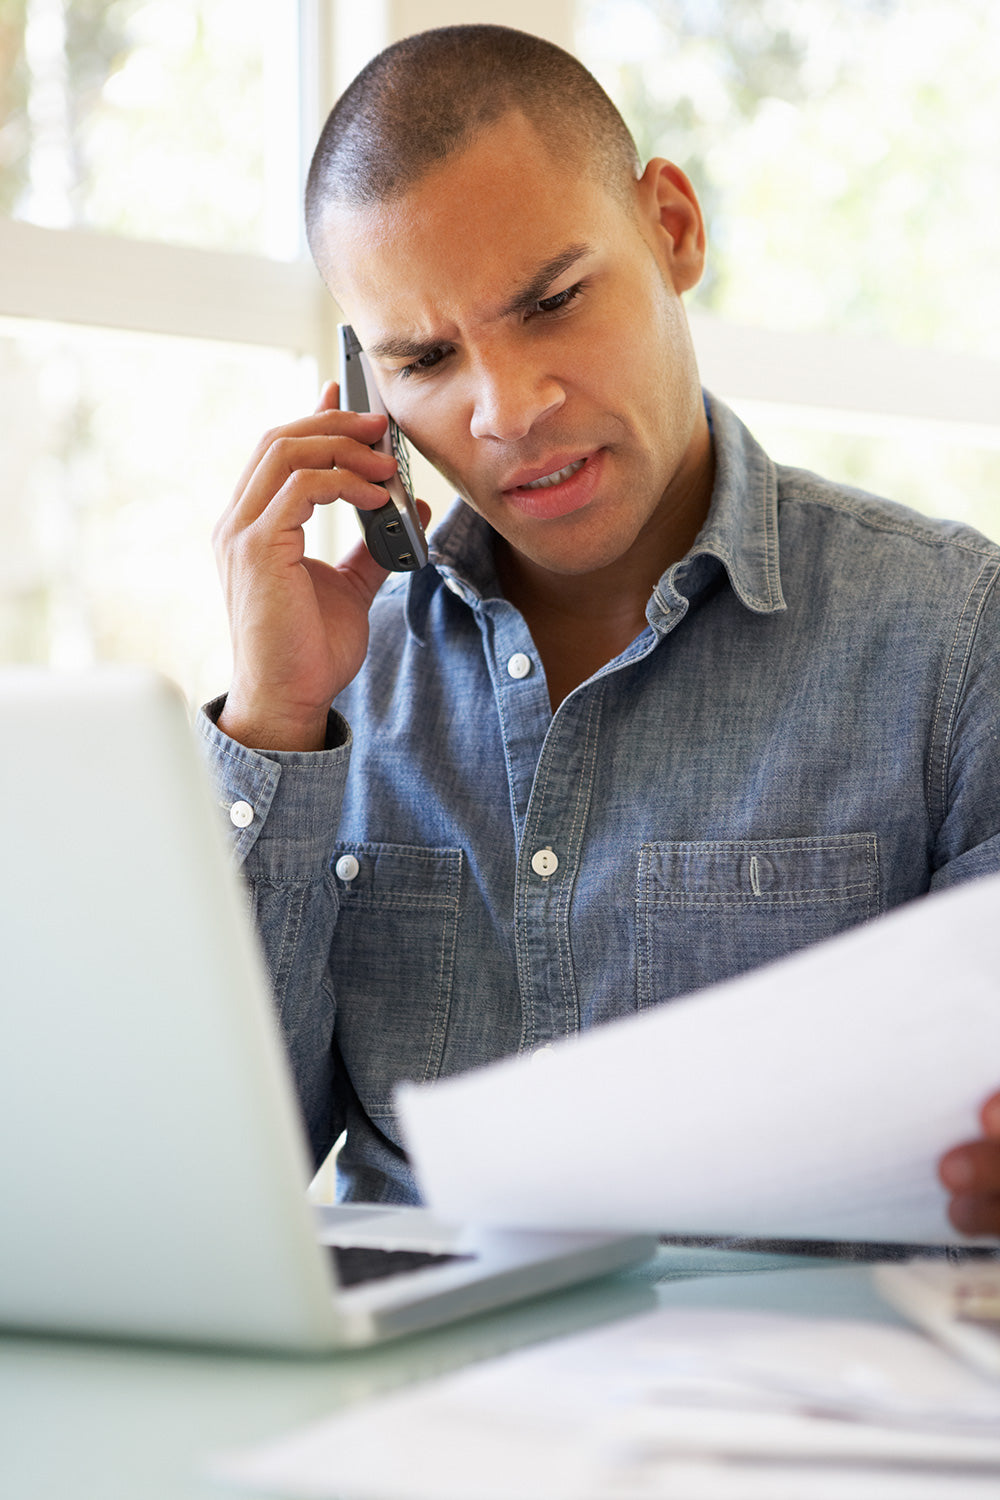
[844,152]
[124,448]
[156,309]
[174,120]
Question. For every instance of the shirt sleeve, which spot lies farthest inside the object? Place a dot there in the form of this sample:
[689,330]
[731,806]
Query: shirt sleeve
[283,808]
[964,768]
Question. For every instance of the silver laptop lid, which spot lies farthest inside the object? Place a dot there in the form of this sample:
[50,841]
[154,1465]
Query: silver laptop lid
[152,1163]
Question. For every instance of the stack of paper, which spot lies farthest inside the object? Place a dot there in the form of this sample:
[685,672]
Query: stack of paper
[810,1099]
[676,1405]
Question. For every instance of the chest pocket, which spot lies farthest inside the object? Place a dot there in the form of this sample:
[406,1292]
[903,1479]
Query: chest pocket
[393,961]
[708,910]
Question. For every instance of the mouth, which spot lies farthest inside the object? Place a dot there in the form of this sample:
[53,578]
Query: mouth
[547,480]
[558,491]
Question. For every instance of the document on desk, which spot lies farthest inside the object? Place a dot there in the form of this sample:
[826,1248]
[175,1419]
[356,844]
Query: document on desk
[679,1404]
[810,1099]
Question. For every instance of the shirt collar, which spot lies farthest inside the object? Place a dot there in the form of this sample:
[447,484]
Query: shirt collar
[741,530]
[460,550]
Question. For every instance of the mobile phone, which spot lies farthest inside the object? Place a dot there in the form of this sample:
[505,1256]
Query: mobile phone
[393,533]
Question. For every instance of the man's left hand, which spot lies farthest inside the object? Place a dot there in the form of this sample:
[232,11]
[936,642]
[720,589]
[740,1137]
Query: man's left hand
[971,1173]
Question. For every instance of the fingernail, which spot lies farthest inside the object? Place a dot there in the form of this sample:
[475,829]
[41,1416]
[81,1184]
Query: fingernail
[957,1173]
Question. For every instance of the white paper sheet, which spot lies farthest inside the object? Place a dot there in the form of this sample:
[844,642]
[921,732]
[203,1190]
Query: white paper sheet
[675,1405]
[810,1099]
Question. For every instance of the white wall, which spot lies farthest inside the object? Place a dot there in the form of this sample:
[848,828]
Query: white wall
[548,18]
[358,32]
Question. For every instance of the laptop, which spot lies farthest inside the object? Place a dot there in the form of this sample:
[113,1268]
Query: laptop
[153,1165]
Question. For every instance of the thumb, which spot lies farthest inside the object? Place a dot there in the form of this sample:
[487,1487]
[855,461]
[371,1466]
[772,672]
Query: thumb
[357,567]
[329,397]
[990,1115]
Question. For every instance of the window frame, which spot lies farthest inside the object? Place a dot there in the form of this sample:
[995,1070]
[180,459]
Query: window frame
[80,276]
[859,378]
[108,281]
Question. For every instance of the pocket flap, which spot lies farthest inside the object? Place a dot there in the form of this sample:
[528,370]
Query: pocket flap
[757,872]
[393,876]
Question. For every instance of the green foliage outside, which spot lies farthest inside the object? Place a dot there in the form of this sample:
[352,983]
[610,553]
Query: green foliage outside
[845,152]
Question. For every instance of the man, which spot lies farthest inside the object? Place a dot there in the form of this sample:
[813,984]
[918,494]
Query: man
[658,712]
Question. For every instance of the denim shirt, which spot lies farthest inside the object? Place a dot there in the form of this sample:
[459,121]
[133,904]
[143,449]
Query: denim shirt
[804,735]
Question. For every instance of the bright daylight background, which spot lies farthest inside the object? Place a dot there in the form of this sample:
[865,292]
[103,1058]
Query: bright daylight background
[157,312]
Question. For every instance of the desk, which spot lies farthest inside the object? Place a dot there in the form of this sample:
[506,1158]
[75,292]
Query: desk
[85,1421]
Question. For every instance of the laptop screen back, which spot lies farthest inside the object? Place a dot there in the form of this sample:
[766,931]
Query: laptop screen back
[152,1163]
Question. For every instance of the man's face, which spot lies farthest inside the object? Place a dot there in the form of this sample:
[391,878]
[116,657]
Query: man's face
[524,323]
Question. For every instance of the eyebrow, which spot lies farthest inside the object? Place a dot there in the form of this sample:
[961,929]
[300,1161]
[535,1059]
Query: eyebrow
[535,289]
[531,291]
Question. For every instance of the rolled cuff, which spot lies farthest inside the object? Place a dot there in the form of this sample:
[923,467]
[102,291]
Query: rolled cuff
[282,807]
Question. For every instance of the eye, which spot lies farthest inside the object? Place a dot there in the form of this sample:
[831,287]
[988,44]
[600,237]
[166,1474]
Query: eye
[547,306]
[424,363]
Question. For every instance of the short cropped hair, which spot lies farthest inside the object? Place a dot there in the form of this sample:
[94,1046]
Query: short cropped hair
[430,95]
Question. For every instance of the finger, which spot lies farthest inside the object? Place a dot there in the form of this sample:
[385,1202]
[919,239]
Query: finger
[972,1168]
[360,567]
[329,397]
[424,512]
[975,1215]
[363,427]
[353,471]
[990,1115]
[294,503]
[357,567]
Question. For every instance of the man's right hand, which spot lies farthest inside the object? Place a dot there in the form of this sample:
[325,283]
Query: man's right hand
[299,626]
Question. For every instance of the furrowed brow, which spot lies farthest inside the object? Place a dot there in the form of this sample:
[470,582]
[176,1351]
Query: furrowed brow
[402,348]
[532,291]
[535,289]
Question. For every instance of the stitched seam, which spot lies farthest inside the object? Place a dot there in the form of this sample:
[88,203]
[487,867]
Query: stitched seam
[400,901]
[501,687]
[945,754]
[520,948]
[817,892]
[582,806]
[739,898]
[679,895]
[447,861]
[408,852]
[885,523]
[290,931]
[770,543]
[446,965]
[527,989]
[642,905]
[726,556]
[874,883]
[819,843]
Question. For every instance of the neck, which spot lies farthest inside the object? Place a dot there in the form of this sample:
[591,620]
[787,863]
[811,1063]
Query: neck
[580,622]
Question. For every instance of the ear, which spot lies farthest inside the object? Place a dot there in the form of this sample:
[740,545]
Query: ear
[671,220]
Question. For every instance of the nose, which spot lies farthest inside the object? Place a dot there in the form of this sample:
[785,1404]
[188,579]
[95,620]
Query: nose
[511,396]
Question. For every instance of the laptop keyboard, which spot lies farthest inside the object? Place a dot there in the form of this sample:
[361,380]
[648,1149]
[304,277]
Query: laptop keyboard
[356,1264]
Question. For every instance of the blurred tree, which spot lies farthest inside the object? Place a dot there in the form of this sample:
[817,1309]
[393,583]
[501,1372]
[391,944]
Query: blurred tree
[76,48]
[845,152]
[13,103]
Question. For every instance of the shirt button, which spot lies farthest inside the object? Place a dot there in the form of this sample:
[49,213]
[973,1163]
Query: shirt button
[459,590]
[544,863]
[241,814]
[519,665]
[540,1054]
[347,868]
